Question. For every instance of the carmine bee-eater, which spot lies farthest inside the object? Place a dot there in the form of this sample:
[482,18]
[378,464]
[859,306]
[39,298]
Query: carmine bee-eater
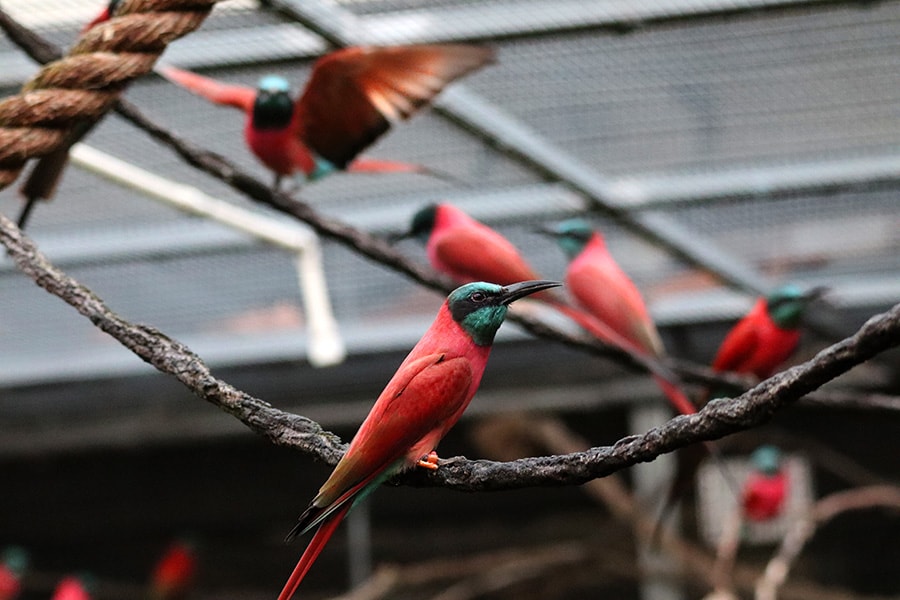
[465,249]
[422,401]
[767,336]
[173,575]
[72,588]
[12,568]
[352,98]
[766,487]
[603,289]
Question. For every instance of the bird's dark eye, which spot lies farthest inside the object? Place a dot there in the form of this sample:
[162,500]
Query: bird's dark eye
[477,297]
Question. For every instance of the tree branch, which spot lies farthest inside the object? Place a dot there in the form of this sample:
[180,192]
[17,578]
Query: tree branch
[719,418]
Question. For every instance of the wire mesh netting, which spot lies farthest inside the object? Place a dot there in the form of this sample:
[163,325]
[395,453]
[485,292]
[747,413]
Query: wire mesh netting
[686,97]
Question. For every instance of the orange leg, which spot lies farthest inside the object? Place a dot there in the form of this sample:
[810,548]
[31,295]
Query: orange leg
[429,461]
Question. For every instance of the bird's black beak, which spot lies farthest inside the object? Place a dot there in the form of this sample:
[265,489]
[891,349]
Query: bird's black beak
[815,293]
[514,291]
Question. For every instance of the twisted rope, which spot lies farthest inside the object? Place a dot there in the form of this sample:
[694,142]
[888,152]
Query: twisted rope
[85,84]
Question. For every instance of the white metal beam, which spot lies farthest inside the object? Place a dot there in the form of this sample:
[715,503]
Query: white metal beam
[325,344]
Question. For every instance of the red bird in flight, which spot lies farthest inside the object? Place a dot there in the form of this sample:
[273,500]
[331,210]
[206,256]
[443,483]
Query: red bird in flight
[352,97]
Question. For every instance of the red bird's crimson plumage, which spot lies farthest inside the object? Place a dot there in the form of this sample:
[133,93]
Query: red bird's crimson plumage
[352,97]
[10,584]
[764,495]
[607,294]
[603,289]
[756,344]
[173,575]
[71,588]
[422,401]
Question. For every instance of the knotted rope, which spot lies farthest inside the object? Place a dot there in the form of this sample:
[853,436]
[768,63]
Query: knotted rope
[84,84]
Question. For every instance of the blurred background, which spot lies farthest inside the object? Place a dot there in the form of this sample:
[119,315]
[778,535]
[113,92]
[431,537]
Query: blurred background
[757,140]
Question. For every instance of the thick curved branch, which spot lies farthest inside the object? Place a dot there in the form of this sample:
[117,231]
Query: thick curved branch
[719,418]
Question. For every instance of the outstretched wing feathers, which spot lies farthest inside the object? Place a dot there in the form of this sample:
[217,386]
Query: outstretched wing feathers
[355,94]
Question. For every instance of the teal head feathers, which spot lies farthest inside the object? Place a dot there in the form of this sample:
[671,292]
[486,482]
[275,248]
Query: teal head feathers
[480,307]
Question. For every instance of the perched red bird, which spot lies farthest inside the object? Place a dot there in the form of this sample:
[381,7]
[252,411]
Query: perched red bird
[352,97]
[767,336]
[72,588]
[13,566]
[766,488]
[422,401]
[468,250]
[173,575]
[603,289]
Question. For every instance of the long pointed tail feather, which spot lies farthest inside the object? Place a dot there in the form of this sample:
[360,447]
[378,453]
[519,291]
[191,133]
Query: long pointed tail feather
[316,544]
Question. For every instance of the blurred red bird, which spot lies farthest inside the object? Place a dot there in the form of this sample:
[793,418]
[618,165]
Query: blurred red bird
[766,488]
[352,97]
[71,588]
[173,575]
[12,568]
[468,250]
[606,292]
[767,336]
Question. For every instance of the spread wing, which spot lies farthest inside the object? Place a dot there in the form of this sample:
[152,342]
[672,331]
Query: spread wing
[355,94]
[238,96]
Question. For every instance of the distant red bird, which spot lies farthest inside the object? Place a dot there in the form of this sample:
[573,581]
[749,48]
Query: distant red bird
[71,588]
[352,97]
[468,250]
[767,336]
[12,568]
[605,291]
[173,575]
[766,488]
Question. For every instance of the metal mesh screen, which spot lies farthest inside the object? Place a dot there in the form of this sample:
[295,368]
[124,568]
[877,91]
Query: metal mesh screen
[689,95]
